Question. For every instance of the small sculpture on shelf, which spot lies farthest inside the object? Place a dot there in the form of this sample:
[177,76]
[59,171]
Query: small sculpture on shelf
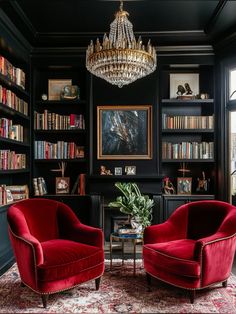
[104,171]
[70,92]
[168,187]
[184,92]
[203,184]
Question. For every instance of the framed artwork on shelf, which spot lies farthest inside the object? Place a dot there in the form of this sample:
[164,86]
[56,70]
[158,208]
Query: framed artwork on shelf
[130,170]
[184,85]
[118,171]
[62,185]
[184,185]
[56,87]
[124,132]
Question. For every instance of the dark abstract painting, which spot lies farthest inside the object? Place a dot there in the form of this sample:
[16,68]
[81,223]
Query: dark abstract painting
[124,132]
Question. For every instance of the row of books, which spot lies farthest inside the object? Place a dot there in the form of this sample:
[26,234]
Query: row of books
[53,121]
[187,122]
[39,186]
[10,160]
[58,150]
[12,73]
[13,193]
[188,150]
[10,130]
[8,98]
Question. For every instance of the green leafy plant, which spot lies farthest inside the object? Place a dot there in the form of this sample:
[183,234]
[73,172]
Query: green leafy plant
[133,203]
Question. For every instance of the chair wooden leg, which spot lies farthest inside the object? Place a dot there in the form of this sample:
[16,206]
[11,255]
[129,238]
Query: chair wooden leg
[97,282]
[149,279]
[44,300]
[224,283]
[192,294]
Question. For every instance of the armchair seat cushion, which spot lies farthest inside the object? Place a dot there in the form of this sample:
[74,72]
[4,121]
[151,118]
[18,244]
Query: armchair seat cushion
[176,257]
[65,258]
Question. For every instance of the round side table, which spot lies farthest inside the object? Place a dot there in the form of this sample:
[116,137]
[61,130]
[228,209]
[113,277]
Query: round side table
[134,238]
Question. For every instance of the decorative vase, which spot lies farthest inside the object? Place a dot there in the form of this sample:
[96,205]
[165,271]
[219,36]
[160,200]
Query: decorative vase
[136,224]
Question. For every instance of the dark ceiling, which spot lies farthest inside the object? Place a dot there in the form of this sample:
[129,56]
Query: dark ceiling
[166,22]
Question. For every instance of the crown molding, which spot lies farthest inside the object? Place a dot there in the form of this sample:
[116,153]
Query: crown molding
[10,31]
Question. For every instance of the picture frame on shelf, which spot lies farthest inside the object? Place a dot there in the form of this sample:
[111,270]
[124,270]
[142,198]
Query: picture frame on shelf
[184,85]
[130,170]
[118,171]
[56,86]
[62,185]
[124,132]
[184,185]
[9,196]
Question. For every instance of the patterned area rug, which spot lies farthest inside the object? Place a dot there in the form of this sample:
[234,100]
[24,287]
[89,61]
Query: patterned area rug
[120,292]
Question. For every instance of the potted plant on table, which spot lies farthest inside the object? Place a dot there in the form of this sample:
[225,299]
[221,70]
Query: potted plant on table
[137,206]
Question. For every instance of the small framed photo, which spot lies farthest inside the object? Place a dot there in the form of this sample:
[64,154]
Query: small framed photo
[55,88]
[9,196]
[130,170]
[118,171]
[184,85]
[184,185]
[62,185]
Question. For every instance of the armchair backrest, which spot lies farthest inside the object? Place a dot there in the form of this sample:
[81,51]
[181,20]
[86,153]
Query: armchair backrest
[39,217]
[206,217]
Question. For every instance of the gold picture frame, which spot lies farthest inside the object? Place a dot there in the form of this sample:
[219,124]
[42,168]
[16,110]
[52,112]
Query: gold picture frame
[55,88]
[124,132]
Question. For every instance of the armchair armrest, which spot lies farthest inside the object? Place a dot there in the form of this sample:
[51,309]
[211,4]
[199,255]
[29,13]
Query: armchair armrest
[216,250]
[214,240]
[85,234]
[167,231]
[29,243]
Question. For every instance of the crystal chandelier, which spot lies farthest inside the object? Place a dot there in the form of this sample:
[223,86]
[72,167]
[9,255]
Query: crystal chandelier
[120,59]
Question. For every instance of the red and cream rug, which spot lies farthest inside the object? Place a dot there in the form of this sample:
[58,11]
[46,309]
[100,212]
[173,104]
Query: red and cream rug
[120,292]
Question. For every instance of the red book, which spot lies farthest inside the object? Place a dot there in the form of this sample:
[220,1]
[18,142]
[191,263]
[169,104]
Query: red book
[82,184]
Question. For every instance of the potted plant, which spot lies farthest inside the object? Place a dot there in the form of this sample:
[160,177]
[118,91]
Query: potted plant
[137,206]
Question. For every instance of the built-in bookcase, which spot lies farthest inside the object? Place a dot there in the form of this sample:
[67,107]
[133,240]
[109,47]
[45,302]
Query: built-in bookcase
[15,144]
[188,129]
[14,130]
[59,126]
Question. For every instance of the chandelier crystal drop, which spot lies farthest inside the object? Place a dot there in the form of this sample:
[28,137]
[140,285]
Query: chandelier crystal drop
[120,59]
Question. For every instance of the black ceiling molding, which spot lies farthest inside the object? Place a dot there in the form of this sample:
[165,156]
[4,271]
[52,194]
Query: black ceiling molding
[39,34]
[213,20]
[11,31]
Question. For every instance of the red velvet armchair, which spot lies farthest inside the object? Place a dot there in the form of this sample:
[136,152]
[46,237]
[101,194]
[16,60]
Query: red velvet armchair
[194,248]
[54,251]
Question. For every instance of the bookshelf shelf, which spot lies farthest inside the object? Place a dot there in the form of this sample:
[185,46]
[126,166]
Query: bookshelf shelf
[12,112]
[187,102]
[14,87]
[125,177]
[187,160]
[13,142]
[60,102]
[174,131]
[14,171]
[70,131]
[76,160]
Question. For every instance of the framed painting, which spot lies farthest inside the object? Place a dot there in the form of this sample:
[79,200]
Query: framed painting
[56,87]
[184,185]
[184,85]
[124,132]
